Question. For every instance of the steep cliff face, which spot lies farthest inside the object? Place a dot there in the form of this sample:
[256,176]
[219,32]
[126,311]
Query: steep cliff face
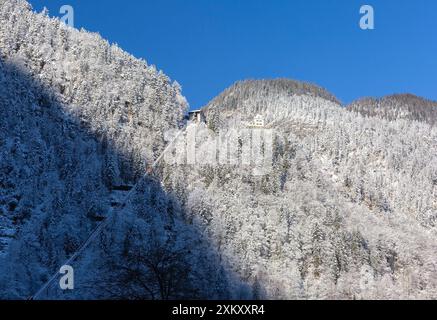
[343,210]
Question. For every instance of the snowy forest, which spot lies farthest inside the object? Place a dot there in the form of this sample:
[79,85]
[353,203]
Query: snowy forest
[348,211]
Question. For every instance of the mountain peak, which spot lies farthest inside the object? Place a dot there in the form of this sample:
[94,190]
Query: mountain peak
[271,87]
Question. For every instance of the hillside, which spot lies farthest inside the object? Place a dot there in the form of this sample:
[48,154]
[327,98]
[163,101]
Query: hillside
[265,97]
[81,117]
[348,210]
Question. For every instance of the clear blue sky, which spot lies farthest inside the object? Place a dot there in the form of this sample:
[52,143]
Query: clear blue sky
[206,45]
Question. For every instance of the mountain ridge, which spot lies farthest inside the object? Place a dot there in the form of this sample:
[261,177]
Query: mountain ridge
[397,106]
[390,107]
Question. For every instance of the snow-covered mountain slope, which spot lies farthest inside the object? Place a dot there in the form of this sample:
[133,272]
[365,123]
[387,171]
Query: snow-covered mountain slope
[57,78]
[109,90]
[79,118]
[400,106]
[348,210]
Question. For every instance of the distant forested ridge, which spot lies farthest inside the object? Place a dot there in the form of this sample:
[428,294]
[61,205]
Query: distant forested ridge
[399,106]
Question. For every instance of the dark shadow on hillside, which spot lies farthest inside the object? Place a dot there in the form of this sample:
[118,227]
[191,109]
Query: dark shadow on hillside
[54,183]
